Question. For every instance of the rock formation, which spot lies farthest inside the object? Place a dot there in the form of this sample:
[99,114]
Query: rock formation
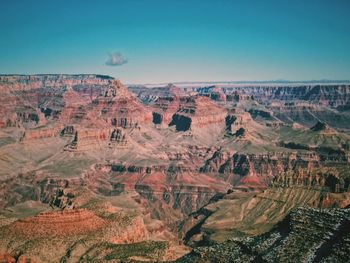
[93,170]
[197,112]
[120,108]
[326,233]
[64,223]
[89,138]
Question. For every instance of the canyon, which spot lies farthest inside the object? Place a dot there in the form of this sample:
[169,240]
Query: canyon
[92,170]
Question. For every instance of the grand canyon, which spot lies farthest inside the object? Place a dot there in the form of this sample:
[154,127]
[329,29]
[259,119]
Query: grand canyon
[92,170]
[175,131]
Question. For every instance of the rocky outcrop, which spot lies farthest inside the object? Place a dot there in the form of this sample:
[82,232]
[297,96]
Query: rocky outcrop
[114,106]
[326,233]
[85,139]
[74,109]
[243,212]
[93,138]
[120,108]
[328,179]
[256,169]
[166,107]
[63,223]
[36,186]
[196,113]
[238,121]
[32,100]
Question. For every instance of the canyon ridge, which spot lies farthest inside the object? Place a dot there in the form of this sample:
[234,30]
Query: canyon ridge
[92,170]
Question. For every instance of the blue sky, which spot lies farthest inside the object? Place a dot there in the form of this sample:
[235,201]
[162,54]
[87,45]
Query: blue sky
[179,40]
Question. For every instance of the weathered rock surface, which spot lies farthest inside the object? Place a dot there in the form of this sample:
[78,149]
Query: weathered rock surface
[305,235]
[64,223]
[196,113]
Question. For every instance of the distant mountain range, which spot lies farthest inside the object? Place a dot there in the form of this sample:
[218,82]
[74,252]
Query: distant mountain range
[255,82]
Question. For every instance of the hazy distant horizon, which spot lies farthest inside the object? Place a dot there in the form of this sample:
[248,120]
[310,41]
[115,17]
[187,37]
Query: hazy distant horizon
[213,82]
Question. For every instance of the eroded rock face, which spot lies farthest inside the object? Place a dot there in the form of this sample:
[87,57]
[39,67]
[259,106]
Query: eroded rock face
[30,100]
[325,231]
[61,233]
[195,113]
[253,169]
[64,223]
[243,213]
[170,193]
[166,106]
[120,108]
[317,178]
[237,123]
[85,138]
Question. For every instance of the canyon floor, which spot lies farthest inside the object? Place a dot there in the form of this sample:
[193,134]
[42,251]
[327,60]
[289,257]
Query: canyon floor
[92,170]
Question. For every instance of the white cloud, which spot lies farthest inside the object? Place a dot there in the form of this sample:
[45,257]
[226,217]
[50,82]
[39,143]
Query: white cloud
[116,59]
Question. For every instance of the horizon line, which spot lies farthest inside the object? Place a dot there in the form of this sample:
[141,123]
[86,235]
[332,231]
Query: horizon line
[276,81]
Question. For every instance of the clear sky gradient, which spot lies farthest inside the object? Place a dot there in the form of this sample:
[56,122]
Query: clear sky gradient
[178,40]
